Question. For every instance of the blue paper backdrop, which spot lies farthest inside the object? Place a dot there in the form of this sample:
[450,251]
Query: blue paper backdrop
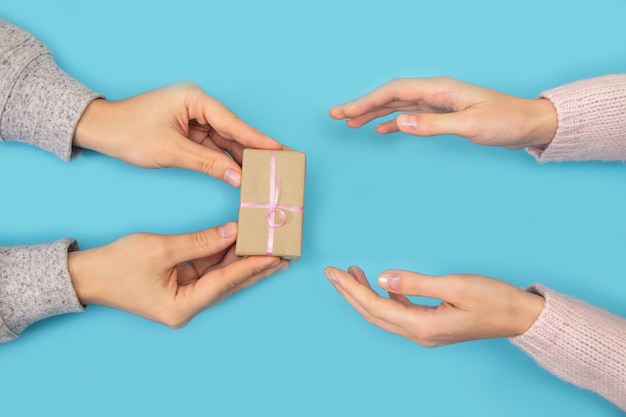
[291,346]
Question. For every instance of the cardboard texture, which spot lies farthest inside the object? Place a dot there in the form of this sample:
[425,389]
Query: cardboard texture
[255,235]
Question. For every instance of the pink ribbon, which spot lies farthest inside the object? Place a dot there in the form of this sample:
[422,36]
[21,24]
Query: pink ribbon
[273,207]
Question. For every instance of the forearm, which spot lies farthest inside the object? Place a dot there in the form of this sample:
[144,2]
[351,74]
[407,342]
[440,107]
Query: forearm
[39,103]
[579,343]
[591,121]
[34,284]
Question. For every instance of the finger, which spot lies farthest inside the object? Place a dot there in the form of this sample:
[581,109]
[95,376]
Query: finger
[390,126]
[369,302]
[201,244]
[186,274]
[218,284]
[359,275]
[206,265]
[383,324]
[235,149]
[390,108]
[363,119]
[208,142]
[213,140]
[337,111]
[232,127]
[446,288]
[206,159]
[431,124]
[407,90]
[191,272]
[283,265]
[400,298]
[430,93]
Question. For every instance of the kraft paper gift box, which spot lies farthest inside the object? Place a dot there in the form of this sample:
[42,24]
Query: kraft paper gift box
[272,204]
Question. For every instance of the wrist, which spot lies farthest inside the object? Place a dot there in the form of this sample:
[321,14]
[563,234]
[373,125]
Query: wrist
[78,266]
[543,122]
[92,124]
[530,307]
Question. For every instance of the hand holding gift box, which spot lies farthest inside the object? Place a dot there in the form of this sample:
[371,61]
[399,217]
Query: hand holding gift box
[272,204]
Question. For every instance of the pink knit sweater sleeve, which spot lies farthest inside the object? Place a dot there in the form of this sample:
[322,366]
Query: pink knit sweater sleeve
[579,343]
[591,121]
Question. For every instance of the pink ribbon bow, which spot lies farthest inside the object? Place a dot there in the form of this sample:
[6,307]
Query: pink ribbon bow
[274,209]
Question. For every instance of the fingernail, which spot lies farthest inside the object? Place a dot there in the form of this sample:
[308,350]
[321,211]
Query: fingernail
[228,230]
[389,281]
[330,276]
[354,271]
[407,120]
[232,177]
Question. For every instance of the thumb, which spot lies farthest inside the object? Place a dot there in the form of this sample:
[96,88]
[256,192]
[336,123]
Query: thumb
[431,124]
[189,246]
[209,161]
[444,288]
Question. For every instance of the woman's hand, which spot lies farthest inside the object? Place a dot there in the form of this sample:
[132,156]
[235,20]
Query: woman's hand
[473,306]
[176,126]
[151,276]
[444,105]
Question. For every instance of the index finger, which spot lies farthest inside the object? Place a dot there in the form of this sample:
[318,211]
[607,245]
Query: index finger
[229,126]
[396,89]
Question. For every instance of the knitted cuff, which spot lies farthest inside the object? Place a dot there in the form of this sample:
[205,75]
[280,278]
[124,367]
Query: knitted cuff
[580,344]
[44,107]
[591,121]
[34,284]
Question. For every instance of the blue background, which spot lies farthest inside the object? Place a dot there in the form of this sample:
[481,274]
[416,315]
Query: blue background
[291,346]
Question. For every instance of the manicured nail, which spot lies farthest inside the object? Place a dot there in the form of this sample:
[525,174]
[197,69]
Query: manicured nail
[389,281]
[232,177]
[329,274]
[228,230]
[407,120]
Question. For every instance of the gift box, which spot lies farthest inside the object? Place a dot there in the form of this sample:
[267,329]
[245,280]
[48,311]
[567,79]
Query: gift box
[272,204]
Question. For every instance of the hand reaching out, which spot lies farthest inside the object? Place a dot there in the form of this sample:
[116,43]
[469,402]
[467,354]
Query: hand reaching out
[444,105]
[176,126]
[149,275]
[473,306]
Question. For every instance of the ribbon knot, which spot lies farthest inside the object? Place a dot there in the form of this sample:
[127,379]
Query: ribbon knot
[276,216]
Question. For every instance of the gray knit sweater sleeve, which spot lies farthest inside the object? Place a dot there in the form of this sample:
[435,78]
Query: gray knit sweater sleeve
[34,284]
[39,105]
